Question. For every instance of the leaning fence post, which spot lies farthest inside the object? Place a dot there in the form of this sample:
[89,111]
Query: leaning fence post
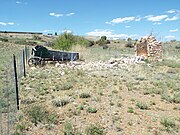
[24,67]
[16,82]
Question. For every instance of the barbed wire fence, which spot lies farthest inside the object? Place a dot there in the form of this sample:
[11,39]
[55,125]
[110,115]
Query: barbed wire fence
[12,73]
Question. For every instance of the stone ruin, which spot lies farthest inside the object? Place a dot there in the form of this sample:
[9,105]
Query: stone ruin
[150,48]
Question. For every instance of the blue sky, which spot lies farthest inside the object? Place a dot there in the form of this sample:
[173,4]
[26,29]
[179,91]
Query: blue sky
[113,18]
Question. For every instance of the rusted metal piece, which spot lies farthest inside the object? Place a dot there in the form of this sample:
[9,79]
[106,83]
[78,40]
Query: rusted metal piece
[41,54]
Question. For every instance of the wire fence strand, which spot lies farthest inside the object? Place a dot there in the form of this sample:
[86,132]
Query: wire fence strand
[8,90]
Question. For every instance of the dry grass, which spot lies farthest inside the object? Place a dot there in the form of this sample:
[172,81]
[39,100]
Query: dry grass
[138,99]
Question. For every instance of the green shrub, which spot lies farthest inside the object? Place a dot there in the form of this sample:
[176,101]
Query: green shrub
[66,40]
[91,110]
[40,114]
[130,110]
[19,129]
[140,78]
[4,39]
[84,95]
[68,128]
[36,37]
[90,43]
[3,105]
[102,41]
[105,46]
[52,118]
[94,130]
[21,42]
[152,91]
[28,100]
[129,45]
[165,96]
[84,42]
[60,102]
[141,105]
[37,114]
[169,63]
[66,85]
[167,123]
[176,97]
[81,107]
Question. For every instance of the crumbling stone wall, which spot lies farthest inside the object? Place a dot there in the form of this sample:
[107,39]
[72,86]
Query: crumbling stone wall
[150,48]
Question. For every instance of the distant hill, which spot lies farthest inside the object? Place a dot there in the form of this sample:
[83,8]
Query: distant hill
[93,38]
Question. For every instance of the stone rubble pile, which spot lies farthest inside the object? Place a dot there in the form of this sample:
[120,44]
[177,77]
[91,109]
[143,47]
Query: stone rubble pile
[113,63]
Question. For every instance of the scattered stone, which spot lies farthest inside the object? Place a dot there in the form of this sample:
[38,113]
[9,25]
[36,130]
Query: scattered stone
[113,63]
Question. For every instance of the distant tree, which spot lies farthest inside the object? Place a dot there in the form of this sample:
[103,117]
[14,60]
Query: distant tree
[66,40]
[129,44]
[129,39]
[108,41]
[50,34]
[174,40]
[103,38]
[55,33]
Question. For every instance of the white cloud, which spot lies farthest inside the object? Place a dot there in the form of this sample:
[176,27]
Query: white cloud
[60,15]
[127,26]
[148,16]
[98,32]
[175,30]
[122,20]
[134,36]
[10,23]
[138,19]
[169,37]
[157,23]
[4,23]
[171,11]
[108,22]
[67,31]
[70,14]
[110,34]
[18,2]
[46,31]
[172,18]
[55,14]
[155,18]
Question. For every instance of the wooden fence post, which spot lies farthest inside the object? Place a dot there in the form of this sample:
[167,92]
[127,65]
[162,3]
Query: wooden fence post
[16,82]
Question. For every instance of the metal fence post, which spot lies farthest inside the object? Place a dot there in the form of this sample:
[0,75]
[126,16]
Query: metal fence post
[16,82]
[24,67]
